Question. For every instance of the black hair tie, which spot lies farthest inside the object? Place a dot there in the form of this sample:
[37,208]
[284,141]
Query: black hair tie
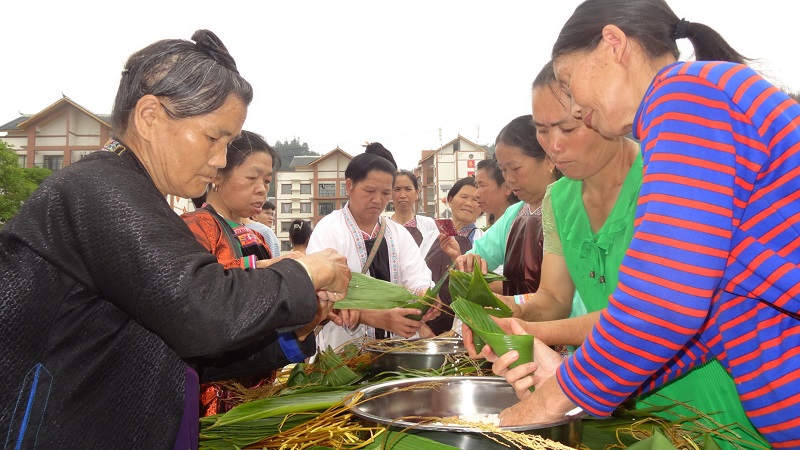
[681,29]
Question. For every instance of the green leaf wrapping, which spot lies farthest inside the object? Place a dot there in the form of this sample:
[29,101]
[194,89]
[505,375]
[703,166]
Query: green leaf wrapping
[334,370]
[475,288]
[478,319]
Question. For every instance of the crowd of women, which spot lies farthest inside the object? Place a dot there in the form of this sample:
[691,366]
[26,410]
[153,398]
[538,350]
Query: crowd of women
[645,216]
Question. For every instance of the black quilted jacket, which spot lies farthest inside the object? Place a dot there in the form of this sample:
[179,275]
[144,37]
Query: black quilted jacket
[105,296]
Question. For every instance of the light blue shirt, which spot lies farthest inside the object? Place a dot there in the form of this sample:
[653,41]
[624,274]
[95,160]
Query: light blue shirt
[269,236]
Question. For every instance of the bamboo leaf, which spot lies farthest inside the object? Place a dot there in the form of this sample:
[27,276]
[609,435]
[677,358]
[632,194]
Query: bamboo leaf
[434,291]
[481,293]
[395,440]
[475,317]
[335,372]
[709,443]
[459,284]
[491,277]
[655,442]
[365,292]
[280,406]
[474,287]
[298,376]
[478,319]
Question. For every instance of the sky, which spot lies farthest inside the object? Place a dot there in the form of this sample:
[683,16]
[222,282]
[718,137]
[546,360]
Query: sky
[410,74]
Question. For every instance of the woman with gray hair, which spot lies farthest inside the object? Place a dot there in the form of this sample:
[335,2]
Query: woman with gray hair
[110,306]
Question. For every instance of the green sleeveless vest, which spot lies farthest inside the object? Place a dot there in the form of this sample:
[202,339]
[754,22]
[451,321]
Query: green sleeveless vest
[593,260]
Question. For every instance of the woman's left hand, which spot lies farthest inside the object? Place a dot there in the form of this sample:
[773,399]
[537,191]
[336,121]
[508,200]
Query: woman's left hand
[546,362]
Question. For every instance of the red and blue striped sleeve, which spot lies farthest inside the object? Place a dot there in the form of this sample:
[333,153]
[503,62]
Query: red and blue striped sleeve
[678,252]
[716,248]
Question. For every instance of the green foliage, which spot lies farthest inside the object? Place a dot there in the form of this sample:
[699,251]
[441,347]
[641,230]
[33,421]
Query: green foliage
[289,149]
[16,183]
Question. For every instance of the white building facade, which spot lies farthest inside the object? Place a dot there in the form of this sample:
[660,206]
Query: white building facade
[312,190]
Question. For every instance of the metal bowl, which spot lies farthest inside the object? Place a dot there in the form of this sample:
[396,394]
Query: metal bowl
[396,403]
[413,354]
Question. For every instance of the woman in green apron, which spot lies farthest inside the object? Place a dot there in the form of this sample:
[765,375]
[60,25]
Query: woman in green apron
[588,222]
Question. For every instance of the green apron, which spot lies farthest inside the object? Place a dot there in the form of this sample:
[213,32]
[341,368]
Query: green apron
[594,260]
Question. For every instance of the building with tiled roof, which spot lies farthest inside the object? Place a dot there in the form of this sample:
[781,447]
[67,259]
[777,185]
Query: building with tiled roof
[61,134]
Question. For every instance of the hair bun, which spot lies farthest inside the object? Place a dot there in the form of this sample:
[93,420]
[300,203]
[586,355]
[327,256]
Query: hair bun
[377,149]
[208,43]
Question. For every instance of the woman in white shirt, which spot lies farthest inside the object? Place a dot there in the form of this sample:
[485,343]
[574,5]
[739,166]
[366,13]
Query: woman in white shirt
[354,231]
[404,196]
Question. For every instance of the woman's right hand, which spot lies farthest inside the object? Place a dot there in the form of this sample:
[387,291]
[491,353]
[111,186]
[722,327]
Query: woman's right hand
[329,272]
[324,310]
[466,263]
[393,320]
[523,377]
[449,246]
[509,326]
[347,318]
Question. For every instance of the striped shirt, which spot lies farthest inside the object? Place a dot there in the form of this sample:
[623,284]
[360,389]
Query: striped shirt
[715,254]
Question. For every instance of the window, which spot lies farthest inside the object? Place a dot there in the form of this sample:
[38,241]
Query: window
[327,190]
[286,225]
[390,207]
[53,162]
[286,246]
[305,208]
[305,189]
[21,160]
[286,208]
[343,189]
[326,208]
[286,188]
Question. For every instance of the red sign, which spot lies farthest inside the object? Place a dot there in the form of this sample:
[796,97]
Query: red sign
[471,163]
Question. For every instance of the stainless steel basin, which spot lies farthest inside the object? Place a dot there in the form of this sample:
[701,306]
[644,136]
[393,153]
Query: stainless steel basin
[397,403]
[414,354]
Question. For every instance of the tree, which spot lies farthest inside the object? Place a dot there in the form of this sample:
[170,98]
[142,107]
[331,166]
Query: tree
[16,183]
[287,150]
[489,150]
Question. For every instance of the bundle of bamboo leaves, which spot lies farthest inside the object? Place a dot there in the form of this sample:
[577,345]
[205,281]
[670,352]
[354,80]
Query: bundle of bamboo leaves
[365,292]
